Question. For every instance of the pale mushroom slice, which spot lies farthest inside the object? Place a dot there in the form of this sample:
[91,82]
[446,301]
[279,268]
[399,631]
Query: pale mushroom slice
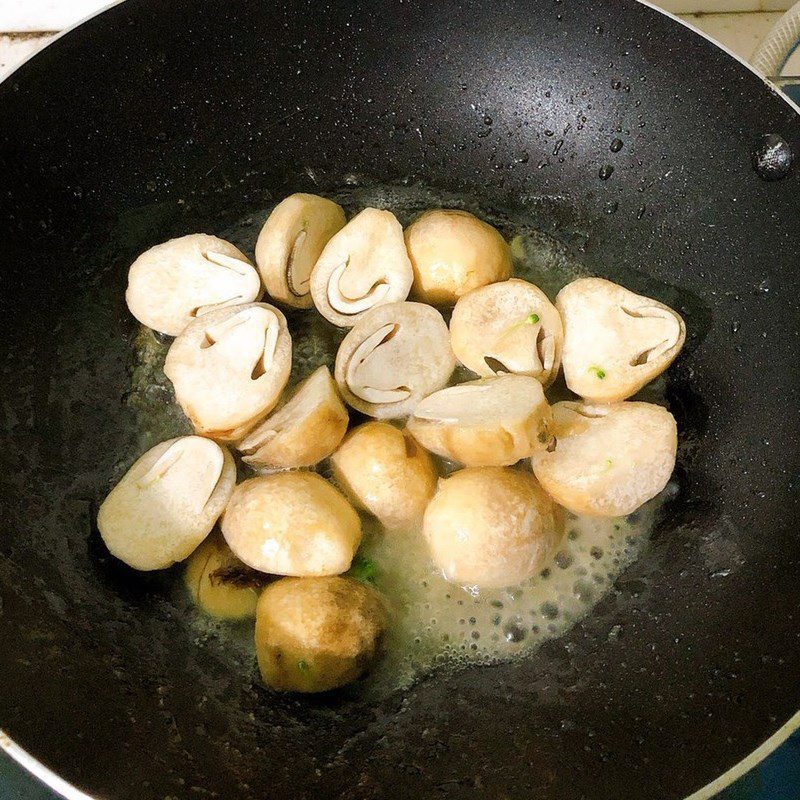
[508,327]
[229,368]
[392,358]
[608,460]
[167,502]
[363,266]
[615,341]
[301,433]
[174,282]
[290,243]
[493,422]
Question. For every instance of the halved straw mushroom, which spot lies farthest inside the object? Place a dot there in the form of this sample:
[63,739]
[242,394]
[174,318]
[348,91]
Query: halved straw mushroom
[219,583]
[292,523]
[492,422]
[392,358]
[508,327]
[174,282]
[491,526]
[615,341]
[452,253]
[384,471]
[608,459]
[317,634]
[290,243]
[301,433]
[363,266]
[229,368]
[167,502]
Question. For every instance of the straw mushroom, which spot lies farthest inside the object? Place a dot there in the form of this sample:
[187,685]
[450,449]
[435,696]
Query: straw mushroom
[317,634]
[292,523]
[220,584]
[609,459]
[290,243]
[490,527]
[229,368]
[384,471]
[508,327]
[167,502]
[363,266]
[301,433]
[174,282]
[490,422]
[615,341]
[452,253]
[392,358]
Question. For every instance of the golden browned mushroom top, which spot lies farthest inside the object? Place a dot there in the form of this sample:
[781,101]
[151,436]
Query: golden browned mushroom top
[363,266]
[229,368]
[615,341]
[394,356]
[174,282]
[290,243]
[508,327]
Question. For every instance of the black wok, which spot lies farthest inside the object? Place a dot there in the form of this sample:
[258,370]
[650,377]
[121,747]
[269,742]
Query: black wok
[157,119]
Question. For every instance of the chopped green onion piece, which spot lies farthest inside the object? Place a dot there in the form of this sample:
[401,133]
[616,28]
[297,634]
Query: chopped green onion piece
[599,372]
[533,319]
[363,569]
[303,666]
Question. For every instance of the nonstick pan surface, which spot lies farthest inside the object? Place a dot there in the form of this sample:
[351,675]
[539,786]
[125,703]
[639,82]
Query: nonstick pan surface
[153,120]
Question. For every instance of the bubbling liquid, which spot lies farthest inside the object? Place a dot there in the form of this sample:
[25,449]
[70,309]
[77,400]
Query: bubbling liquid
[436,624]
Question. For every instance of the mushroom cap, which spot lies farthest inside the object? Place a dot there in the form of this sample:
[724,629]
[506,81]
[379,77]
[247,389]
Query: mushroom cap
[384,471]
[492,422]
[453,252]
[615,341]
[214,593]
[392,358]
[317,634]
[363,266]
[308,428]
[171,284]
[608,459]
[490,527]
[290,243]
[167,502]
[229,368]
[508,327]
[291,523]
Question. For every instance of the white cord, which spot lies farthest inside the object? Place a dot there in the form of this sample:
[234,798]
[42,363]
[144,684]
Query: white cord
[773,53]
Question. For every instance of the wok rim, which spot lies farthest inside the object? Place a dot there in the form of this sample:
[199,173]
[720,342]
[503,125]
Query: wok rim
[53,781]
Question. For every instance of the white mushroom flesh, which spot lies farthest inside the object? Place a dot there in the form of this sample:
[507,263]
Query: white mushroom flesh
[615,341]
[167,502]
[490,527]
[292,523]
[229,368]
[608,460]
[491,422]
[290,243]
[174,282]
[392,358]
[508,327]
[301,433]
[363,266]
